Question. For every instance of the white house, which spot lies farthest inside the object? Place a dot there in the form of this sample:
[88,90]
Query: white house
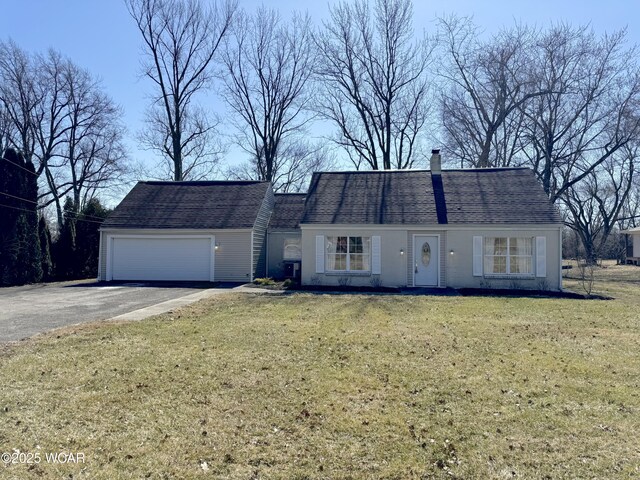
[633,251]
[407,228]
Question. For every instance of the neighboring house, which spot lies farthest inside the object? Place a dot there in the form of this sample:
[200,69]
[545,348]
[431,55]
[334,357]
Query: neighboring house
[633,249]
[408,228]
[207,231]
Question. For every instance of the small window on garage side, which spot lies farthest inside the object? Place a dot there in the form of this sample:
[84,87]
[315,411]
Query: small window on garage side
[292,249]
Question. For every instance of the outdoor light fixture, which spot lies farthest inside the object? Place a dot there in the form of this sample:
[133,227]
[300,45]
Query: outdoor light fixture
[451,252]
[402,251]
[216,246]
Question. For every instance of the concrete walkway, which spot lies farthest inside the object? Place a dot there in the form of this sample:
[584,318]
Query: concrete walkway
[170,305]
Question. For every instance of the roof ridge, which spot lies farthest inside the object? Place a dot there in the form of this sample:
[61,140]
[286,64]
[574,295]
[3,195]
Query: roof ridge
[201,182]
[421,170]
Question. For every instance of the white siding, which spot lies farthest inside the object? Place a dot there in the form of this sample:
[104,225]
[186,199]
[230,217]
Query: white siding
[375,255]
[320,253]
[233,262]
[477,256]
[541,257]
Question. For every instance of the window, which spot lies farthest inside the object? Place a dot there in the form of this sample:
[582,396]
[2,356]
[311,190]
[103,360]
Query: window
[291,249]
[508,256]
[348,254]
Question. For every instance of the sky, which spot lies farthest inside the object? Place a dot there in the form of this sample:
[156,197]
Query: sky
[100,36]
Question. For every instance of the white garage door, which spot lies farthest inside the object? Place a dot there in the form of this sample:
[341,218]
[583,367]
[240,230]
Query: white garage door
[162,258]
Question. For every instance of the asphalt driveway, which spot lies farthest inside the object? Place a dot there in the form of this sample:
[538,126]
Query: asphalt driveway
[31,309]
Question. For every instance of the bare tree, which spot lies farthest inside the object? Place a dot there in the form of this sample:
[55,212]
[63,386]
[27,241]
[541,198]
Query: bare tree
[181,39]
[595,203]
[589,110]
[57,114]
[486,85]
[630,213]
[267,67]
[300,160]
[373,81]
[19,98]
[93,153]
[5,127]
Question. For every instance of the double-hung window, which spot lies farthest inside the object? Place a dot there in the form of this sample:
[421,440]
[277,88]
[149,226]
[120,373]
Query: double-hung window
[349,254]
[508,256]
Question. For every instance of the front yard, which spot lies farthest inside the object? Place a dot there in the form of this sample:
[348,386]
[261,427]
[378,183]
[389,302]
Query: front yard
[337,387]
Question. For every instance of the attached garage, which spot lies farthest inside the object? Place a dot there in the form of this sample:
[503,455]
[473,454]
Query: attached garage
[188,231]
[149,257]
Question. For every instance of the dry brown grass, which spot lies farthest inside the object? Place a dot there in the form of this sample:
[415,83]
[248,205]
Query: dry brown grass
[338,387]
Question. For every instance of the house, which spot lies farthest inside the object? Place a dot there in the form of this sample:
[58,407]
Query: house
[431,228]
[633,249]
[410,228]
[205,231]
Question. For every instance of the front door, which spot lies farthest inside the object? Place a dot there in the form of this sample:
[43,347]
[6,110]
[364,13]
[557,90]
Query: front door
[426,259]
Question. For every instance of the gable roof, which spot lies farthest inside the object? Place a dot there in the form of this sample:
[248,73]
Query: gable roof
[372,197]
[474,196]
[287,211]
[200,205]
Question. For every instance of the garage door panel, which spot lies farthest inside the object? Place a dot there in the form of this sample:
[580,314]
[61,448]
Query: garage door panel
[161,258]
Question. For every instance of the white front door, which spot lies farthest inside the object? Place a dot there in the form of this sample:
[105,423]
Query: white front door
[426,260]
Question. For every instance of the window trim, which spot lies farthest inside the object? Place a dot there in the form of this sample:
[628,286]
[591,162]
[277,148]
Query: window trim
[348,254]
[508,273]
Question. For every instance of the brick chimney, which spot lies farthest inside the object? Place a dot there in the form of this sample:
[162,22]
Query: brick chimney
[436,162]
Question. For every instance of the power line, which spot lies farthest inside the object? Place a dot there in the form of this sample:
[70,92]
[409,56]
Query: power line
[19,166]
[67,213]
[31,211]
[18,198]
[31,201]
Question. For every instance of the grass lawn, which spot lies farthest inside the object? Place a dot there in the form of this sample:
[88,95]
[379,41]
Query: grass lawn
[338,387]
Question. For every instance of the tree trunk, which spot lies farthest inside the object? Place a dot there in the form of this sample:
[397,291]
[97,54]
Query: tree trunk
[177,158]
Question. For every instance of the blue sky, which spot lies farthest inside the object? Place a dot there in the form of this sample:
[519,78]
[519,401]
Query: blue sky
[100,36]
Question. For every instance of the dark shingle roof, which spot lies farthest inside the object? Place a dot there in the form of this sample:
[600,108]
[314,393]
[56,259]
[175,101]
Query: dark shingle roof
[496,196]
[287,211]
[370,198]
[206,205]
[481,196]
